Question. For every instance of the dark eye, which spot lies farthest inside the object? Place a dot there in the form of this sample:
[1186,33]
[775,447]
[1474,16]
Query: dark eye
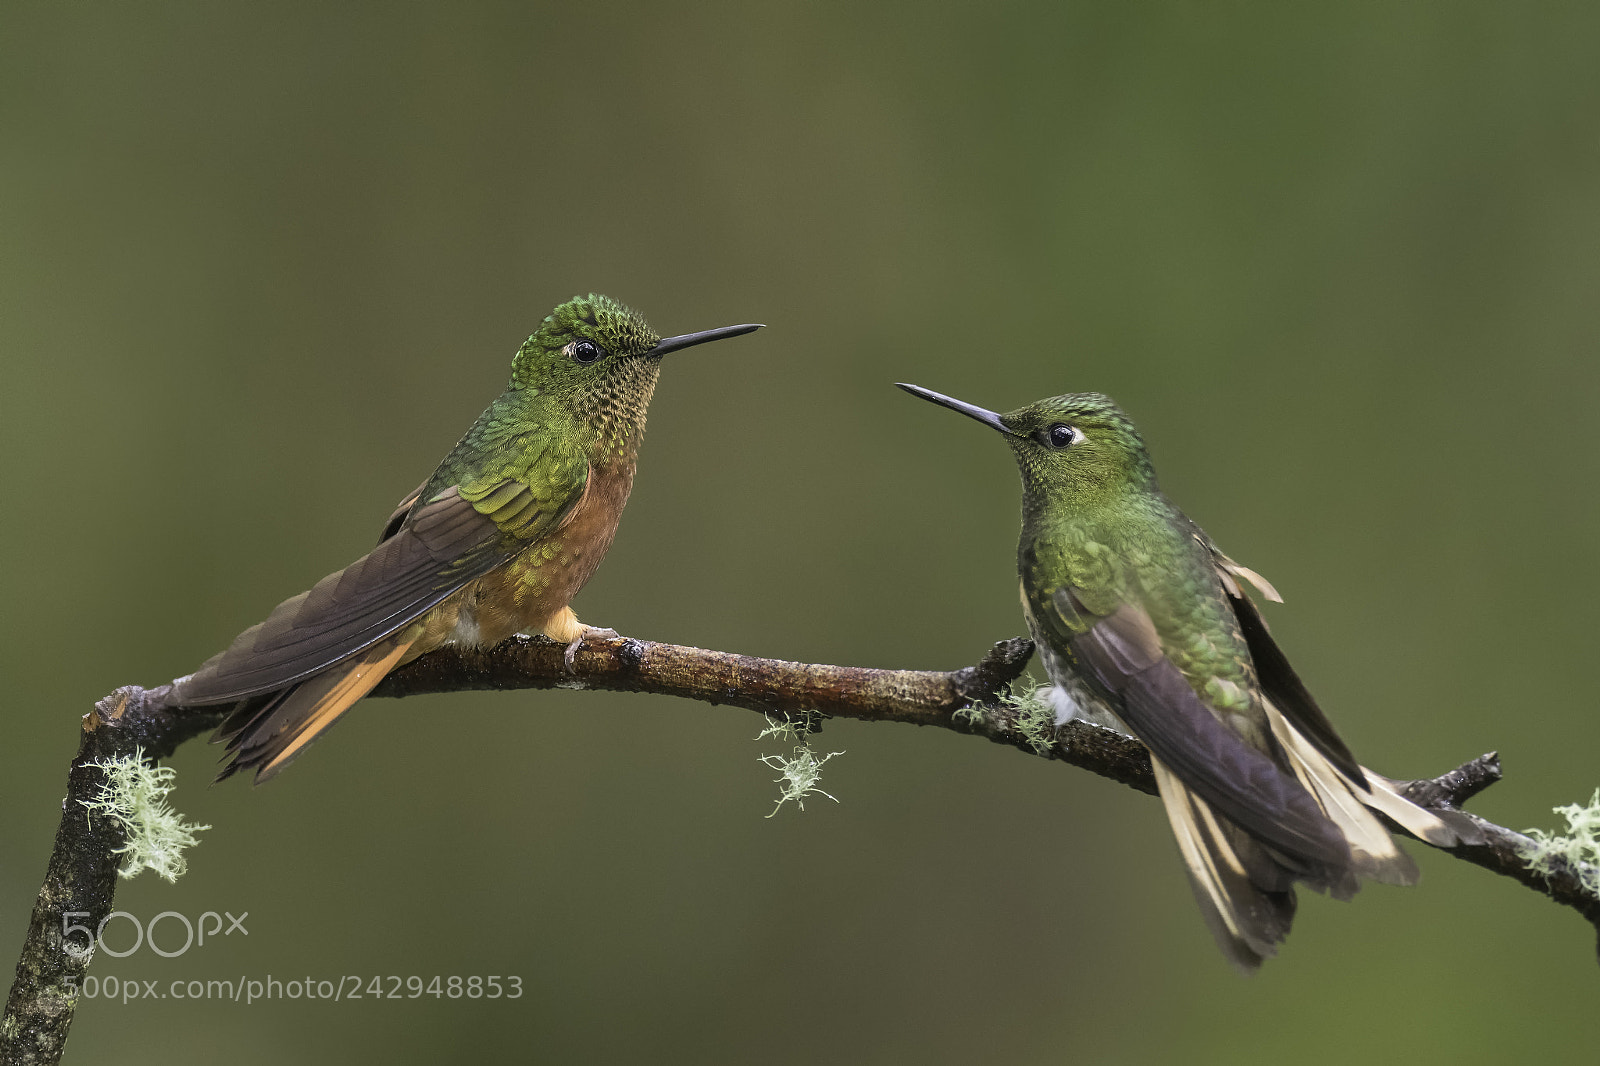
[585,352]
[1060,435]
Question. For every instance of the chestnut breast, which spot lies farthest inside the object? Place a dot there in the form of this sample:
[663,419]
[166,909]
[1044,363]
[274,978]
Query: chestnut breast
[522,595]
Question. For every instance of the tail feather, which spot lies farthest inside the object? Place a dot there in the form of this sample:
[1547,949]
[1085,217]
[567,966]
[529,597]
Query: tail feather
[1247,919]
[246,711]
[1245,887]
[1442,829]
[268,736]
[1373,851]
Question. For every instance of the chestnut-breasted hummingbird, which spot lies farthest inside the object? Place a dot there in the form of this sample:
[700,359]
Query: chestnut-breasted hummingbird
[495,542]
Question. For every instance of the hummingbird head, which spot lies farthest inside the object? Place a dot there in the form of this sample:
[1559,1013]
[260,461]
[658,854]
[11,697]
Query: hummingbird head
[598,360]
[1075,446]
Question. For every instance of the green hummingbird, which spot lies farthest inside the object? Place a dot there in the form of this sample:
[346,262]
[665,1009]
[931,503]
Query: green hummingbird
[497,541]
[1143,625]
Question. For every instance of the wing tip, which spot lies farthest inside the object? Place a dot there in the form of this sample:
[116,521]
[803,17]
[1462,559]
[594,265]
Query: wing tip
[269,736]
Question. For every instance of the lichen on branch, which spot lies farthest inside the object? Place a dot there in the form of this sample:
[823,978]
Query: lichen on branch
[1578,849]
[134,795]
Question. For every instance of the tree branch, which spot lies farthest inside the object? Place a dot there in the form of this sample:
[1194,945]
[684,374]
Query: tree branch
[82,871]
[921,698]
[82,877]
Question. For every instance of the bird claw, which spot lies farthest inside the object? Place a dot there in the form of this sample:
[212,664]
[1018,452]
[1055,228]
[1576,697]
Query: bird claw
[571,653]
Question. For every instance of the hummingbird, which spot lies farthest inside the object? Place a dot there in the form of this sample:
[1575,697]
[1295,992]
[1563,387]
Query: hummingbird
[1145,626]
[497,541]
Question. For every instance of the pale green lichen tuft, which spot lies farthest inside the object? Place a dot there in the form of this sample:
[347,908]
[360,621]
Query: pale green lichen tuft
[799,772]
[134,795]
[973,713]
[1033,718]
[783,729]
[1580,849]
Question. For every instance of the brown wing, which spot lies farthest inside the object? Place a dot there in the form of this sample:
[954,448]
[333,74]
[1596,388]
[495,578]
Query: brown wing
[403,508]
[1121,653]
[440,547]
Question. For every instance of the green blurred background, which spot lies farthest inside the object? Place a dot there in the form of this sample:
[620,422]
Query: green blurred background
[261,265]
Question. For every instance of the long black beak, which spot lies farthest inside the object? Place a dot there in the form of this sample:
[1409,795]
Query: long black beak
[987,417]
[689,340]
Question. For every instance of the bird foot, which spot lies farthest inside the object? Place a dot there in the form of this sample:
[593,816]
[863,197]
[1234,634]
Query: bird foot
[571,653]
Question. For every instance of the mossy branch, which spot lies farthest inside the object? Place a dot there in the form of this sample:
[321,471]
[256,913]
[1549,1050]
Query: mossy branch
[82,873]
